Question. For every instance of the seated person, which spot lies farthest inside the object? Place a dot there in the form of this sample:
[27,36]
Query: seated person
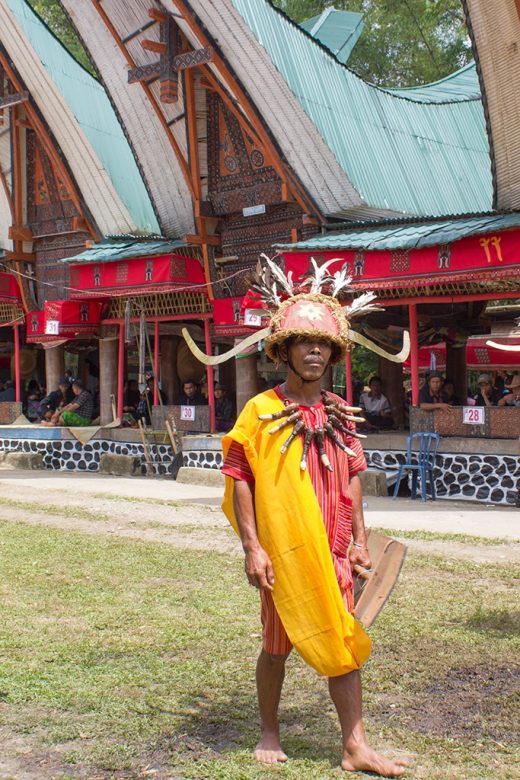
[377,410]
[55,399]
[191,395]
[430,396]
[224,416]
[78,412]
[131,396]
[9,392]
[512,397]
[487,395]
[448,393]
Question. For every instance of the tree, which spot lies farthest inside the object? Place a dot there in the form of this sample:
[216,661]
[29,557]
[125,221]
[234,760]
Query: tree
[404,42]
[55,18]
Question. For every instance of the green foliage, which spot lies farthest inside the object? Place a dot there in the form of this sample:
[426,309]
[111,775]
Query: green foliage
[403,43]
[54,17]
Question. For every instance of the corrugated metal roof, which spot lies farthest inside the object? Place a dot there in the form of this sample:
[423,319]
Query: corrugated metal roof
[339,31]
[110,250]
[408,236]
[401,155]
[461,85]
[92,109]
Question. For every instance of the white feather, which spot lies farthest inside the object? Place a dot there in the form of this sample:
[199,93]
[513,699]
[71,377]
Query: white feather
[362,305]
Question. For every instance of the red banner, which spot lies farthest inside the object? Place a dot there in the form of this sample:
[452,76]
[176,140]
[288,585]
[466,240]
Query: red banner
[478,355]
[138,276]
[489,257]
[63,320]
[9,289]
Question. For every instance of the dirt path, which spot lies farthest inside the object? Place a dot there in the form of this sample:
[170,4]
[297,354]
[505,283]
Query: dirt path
[193,526]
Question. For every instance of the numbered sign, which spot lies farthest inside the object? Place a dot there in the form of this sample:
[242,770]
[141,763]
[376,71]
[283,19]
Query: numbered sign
[473,415]
[252,318]
[188,413]
[52,328]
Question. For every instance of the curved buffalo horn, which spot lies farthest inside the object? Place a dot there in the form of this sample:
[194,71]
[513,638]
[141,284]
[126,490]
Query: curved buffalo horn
[504,347]
[364,342]
[214,360]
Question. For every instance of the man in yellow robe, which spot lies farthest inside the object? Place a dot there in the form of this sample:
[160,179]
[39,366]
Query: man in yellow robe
[302,530]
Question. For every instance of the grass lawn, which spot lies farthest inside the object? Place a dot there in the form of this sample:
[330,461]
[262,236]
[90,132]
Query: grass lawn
[128,659]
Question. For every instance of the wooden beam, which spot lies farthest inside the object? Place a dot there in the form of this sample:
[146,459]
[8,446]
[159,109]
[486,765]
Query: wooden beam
[14,99]
[20,233]
[143,73]
[192,59]
[26,257]
[156,46]
[190,238]
[157,15]
[80,224]
[160,116]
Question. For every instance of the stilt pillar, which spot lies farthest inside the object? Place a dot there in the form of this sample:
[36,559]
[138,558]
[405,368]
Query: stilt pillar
[414,353]
[108,372]
[247,380]
[349,393]
[169,376]
[17,378]
[392,378]
[456,370]
[210,379]
[54,367]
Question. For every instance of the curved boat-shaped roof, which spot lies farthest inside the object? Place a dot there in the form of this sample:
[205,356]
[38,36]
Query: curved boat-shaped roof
[424,158]
[81,118]
[461,85]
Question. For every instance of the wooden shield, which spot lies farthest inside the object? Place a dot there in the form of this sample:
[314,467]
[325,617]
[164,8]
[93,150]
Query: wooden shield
[387,556]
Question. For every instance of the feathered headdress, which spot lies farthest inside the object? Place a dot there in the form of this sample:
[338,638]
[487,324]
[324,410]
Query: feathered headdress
[309,308]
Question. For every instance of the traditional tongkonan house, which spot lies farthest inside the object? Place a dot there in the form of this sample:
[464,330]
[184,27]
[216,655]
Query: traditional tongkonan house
[251,132]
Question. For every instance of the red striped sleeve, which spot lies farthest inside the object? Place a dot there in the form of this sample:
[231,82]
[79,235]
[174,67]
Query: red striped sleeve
[236,464]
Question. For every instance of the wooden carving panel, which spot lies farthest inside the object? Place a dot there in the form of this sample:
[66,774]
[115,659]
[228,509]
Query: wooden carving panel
[50,209]
[238,176]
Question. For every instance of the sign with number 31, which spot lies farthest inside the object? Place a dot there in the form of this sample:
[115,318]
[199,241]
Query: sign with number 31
[473,415]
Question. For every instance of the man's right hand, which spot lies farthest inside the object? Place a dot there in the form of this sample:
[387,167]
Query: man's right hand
[259,569]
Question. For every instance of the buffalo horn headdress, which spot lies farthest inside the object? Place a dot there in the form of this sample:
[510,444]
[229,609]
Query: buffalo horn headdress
[310,309]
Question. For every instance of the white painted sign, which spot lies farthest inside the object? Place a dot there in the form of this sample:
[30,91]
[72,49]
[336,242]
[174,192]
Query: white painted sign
[188,413]
[252,211]
[52,327]
[473,415]
[252,318]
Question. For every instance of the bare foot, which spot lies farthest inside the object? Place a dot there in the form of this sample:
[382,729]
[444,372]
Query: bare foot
[367,760]
[269,750]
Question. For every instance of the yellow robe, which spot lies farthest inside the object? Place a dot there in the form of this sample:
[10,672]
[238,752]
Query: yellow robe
[291,530]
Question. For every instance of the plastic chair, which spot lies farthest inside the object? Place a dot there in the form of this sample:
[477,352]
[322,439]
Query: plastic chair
[419,461]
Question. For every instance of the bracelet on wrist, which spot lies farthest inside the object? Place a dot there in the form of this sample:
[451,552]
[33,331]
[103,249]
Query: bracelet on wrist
[361,546]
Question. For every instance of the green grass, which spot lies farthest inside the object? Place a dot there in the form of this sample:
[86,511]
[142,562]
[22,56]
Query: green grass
[433,536]
[53,509]
[137,500]
[126,656]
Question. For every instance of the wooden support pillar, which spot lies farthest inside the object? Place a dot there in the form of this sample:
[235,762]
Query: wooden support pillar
[17,383]
[414,353]
[156,367]
[349,393]
[108,365]
[392,378]
[54,367]
[121,372]
[456,370]
[247,379]
[210,379]
[170,382]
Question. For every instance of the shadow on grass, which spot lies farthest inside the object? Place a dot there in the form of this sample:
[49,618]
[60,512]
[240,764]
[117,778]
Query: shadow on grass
[501,621]
[228,722]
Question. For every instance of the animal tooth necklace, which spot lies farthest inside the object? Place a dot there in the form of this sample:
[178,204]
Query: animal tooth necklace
[337,414]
